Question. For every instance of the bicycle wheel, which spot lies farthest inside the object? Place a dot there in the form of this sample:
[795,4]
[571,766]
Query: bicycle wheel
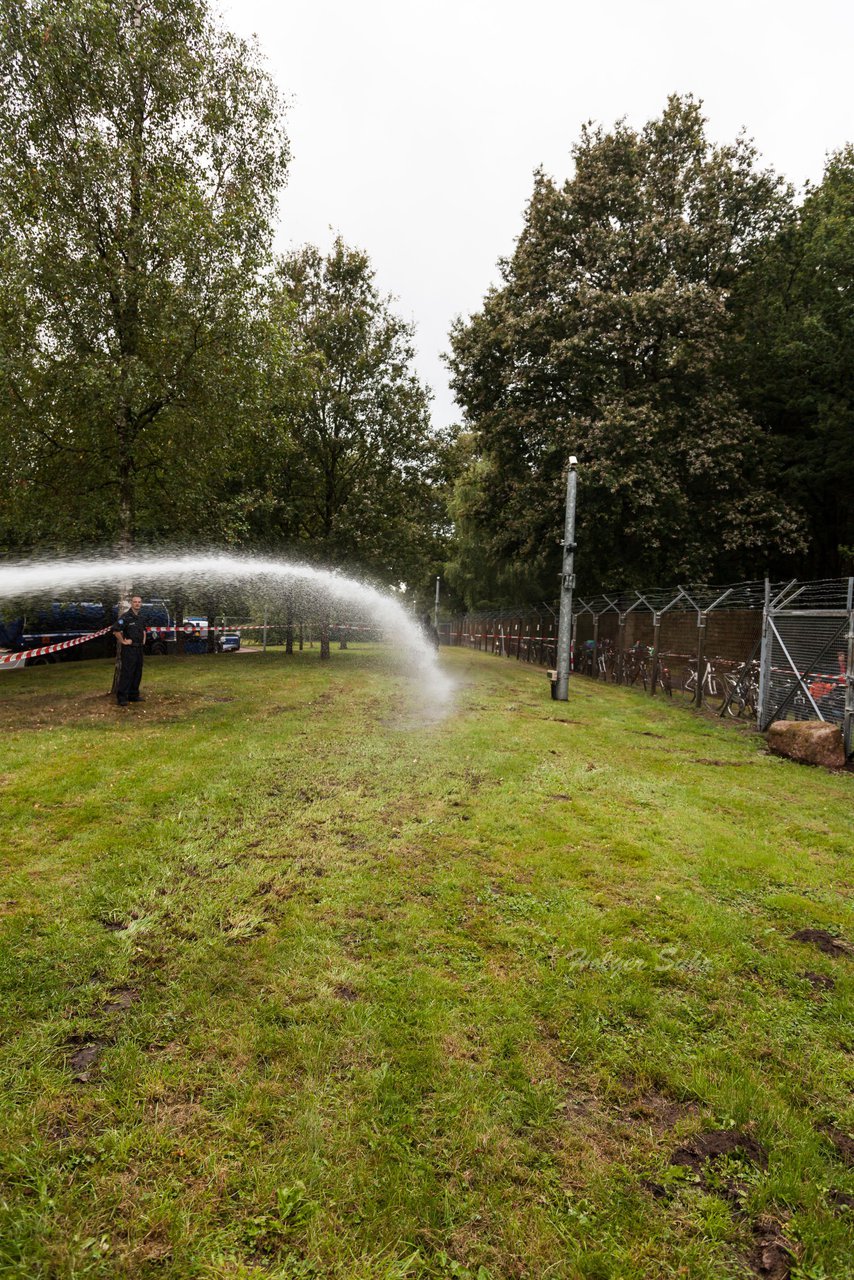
[735,692]
[714,691]
[751,701]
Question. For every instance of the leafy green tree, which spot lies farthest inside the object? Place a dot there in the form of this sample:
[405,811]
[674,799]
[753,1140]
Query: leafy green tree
[350,462]
[611,338]
[797,306]
[141,151]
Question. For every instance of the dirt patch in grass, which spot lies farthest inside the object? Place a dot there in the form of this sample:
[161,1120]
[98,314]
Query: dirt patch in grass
[825,942]
[842,1141]
[659,1112]
[47,710]
[707,1147]
[734,1149]
[84,1058]
[819,981]
[280,890]
[772,1256]
[346,993]
[729,764]
[120,1000]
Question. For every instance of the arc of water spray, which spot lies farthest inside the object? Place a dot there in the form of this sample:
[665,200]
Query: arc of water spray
[39,576]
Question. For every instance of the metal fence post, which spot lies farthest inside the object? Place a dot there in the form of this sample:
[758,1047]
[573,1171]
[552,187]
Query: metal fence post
[701,655]
[621,648]
[656,632]
[764,660]
[595,672]
[563,661]
[848,717]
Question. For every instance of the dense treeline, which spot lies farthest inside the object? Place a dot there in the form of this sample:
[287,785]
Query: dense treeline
[164,378]
[672,317]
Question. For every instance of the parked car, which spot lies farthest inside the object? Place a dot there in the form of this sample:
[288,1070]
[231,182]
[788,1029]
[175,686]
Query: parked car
[229,642]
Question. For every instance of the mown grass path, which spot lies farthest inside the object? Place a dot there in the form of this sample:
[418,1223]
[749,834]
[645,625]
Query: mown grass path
[297,985]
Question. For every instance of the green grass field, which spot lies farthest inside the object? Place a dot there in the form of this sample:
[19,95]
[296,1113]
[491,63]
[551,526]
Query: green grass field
[298,984]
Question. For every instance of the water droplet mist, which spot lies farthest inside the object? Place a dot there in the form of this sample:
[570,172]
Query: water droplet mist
[279,582]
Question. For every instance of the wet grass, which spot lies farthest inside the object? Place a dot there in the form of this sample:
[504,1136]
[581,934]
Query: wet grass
[295,985]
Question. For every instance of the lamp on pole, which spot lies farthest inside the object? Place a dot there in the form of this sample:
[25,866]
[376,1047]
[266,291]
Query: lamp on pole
[567,582]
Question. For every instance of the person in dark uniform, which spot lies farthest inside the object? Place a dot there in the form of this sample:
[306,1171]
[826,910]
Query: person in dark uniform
[130,637]
[430,632]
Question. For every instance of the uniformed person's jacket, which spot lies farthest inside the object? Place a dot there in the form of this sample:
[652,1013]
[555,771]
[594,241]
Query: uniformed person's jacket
[132,627]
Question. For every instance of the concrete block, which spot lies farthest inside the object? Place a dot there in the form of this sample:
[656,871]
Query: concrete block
[808,741]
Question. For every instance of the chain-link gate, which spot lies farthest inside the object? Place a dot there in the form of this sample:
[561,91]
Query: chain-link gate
[807,668]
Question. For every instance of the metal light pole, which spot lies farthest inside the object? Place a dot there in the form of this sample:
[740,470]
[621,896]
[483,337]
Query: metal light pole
[436,606]
[567,582]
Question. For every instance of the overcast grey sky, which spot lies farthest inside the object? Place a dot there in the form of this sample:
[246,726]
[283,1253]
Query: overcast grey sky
[416,126]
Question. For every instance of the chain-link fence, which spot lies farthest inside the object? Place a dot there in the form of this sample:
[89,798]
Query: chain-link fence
[755,650]
[529,635]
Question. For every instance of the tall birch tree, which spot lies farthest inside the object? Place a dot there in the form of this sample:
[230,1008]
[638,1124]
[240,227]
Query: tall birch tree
[141,152]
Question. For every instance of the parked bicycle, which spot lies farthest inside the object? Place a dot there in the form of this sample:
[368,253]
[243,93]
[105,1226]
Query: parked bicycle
[663,678]
[606,661]
[742,691]
[714,690]
[635,664]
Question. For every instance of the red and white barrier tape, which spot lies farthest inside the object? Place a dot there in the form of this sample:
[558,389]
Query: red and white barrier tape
[51,648]
[187,630]
[7,658]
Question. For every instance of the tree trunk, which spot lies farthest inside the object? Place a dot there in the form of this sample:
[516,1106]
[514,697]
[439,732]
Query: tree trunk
[289,633]
[300,638]
[342,640]
[324,641]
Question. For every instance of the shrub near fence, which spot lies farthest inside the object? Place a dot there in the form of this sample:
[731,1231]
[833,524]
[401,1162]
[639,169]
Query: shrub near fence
[708,641]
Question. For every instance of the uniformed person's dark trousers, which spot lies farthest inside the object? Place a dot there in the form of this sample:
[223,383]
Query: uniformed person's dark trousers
[130,674]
